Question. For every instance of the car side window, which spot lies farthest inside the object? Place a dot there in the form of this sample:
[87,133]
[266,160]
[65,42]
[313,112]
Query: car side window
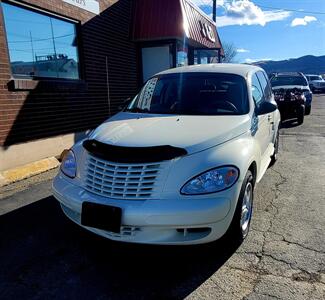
[265,85]
[256,90]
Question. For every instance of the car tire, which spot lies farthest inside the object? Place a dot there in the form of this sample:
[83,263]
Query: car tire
[274,157]
[240,223]
[301,114]
[307,110]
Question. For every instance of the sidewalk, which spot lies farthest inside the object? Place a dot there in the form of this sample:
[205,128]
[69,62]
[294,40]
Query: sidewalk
[15,187]
[22,172]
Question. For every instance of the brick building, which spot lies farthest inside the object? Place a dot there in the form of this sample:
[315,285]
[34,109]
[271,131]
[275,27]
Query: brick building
[66,65]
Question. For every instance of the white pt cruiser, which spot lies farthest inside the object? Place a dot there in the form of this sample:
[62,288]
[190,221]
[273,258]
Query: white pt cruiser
[179,164]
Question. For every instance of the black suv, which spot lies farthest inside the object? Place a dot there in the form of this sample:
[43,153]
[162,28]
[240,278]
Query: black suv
[292,94]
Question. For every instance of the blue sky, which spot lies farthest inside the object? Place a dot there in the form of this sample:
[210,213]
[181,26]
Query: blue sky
[268,29]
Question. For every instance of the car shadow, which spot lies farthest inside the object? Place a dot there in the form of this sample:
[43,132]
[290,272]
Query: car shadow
[44,255]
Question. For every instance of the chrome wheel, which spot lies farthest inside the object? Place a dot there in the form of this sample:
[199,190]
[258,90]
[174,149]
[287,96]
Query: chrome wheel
[246,210]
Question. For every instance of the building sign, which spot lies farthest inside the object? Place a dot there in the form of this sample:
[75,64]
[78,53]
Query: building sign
[90,5]
[207,31]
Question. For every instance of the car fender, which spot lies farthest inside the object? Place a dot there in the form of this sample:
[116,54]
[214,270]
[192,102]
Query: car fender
[277,124]
[240,152]
[80,156]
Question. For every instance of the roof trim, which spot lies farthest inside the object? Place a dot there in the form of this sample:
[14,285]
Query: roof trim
[162,19]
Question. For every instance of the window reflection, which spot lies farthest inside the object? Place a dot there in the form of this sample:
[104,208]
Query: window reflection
[193,94]
[40,45]
[182,55]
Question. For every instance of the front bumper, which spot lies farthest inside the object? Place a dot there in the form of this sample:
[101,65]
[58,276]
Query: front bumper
[193,220]
[289,107]
[309,99]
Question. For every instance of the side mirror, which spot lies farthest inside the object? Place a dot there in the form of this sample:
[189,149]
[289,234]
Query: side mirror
[266,108]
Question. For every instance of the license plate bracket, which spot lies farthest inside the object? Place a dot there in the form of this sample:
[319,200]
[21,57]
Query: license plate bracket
[101,216]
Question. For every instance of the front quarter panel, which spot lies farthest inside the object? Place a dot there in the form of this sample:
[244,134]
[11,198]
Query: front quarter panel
[277,121]
[240,152]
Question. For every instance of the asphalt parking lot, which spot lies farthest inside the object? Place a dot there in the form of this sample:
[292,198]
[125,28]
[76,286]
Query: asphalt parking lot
[45,256]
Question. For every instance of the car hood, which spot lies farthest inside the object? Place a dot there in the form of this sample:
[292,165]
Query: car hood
[193,133]
[290,87]
[318,81]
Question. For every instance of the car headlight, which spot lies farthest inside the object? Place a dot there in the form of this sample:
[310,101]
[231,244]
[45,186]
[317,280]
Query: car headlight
[69,165]
[214,180]
[307,94]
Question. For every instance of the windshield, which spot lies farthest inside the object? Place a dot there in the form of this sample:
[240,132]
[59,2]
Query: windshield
[288,80]
[193,94]
[311,78]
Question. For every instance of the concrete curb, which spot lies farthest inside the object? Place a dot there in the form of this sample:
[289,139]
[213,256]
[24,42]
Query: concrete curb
[25,171]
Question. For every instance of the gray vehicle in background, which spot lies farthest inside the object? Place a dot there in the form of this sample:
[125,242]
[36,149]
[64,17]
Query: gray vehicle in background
[316,83]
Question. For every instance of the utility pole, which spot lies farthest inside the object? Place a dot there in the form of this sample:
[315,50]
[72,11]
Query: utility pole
[214,17]
[107,85]
[54,48]
[31,42]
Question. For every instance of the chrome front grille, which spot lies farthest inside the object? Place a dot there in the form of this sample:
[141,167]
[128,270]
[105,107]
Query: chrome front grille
[123,181]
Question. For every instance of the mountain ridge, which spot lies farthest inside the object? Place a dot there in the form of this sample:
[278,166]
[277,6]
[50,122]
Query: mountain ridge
[308,64]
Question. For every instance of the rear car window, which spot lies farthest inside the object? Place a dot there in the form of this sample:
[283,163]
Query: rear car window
[288,80]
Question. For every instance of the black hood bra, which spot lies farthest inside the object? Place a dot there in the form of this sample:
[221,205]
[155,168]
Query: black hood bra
[121,154]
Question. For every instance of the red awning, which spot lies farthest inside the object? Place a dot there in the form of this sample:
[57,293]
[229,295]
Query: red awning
[174,19]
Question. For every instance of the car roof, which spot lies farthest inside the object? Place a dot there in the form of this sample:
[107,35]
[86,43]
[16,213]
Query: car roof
[296,74]
[238,69]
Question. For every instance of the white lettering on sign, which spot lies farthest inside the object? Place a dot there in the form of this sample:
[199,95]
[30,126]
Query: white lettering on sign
[207,31]
[90,5]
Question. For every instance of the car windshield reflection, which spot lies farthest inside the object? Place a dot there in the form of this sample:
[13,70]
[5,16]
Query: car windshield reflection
[193,94]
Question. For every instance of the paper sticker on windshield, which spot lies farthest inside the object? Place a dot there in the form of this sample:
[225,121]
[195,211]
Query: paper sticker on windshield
[147,93]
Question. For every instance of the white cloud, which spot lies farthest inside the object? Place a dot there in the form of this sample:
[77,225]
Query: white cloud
[245,12]
[220,2]
[277,15]
[242,50]
[302,21]
[253,60]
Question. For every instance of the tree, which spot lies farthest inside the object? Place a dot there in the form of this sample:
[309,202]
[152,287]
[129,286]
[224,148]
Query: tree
[230,51]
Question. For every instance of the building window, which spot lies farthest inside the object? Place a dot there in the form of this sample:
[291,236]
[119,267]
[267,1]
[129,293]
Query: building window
[182,55]
[205,56]
[40,46]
